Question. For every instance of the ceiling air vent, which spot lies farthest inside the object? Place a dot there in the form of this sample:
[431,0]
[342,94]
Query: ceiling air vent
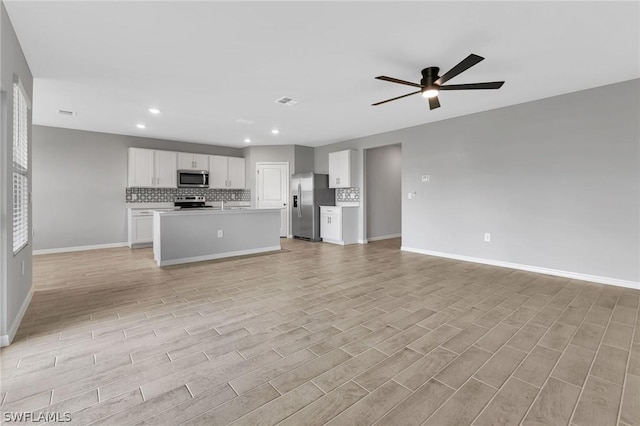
[66,112]
[286,101]
[243,121]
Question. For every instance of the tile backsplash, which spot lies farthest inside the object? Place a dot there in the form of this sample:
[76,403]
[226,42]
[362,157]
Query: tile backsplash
[347,195]
[168,195]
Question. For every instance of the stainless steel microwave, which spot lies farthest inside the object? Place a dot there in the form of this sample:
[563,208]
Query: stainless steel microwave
[193,178]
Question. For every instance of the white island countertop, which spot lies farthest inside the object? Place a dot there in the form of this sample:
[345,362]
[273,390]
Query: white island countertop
[215,210]
[183,236]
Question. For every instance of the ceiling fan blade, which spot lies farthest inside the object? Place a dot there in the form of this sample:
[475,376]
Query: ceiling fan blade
[466,63]
[393,99]
[434,103]
[473,86]
[395,80]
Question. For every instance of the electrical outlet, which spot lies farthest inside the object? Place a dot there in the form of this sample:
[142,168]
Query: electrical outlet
[487,237]
[220,233]
[425,178]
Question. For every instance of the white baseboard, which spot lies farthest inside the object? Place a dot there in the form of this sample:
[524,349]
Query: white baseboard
[363,241]
[547,271]
[6,339]
[216,256]
[79,248]
[331,241]
[384,237]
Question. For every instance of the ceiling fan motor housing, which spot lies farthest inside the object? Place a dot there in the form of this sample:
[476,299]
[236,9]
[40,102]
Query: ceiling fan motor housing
[429,76]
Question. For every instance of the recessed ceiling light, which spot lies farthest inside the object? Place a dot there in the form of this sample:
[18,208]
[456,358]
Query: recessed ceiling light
[247,140]
[275,131]
[154,110]
[141,126]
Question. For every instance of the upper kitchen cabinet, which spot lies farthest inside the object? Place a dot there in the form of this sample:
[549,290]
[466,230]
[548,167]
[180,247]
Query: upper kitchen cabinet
[236,172]
[188,161]
[226,172]
[342,169]
[150,168]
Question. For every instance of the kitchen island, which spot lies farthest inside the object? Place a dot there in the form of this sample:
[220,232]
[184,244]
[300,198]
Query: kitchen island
[185,236]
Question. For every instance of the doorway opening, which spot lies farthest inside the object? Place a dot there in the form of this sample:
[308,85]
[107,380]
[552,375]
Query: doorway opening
[383,193]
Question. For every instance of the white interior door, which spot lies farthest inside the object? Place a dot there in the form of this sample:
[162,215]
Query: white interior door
[272,182]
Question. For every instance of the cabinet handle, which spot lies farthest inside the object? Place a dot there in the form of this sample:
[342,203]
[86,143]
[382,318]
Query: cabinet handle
[337,181]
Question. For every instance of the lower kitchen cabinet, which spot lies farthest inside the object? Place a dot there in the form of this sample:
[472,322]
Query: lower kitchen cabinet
[339,225]
[141,227]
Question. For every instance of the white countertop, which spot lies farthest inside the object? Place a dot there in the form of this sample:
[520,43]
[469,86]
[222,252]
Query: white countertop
[152,206]
[213,211]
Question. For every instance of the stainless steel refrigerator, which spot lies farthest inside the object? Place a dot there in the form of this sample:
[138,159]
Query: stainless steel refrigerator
[309,191]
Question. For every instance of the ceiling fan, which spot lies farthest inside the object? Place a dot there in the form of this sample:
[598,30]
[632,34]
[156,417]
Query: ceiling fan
[431,83]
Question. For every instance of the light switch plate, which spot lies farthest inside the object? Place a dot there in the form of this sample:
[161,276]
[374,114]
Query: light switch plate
[425,178]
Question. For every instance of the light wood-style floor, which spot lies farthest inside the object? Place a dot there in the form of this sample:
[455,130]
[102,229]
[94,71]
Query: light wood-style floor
[321,334]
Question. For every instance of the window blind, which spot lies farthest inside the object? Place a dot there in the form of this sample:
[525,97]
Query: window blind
[20,170]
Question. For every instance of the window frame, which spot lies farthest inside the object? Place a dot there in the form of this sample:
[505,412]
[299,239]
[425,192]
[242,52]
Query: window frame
[21,196]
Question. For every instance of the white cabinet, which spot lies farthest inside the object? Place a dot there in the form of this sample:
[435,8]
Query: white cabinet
[236,173]
[339,225]
[218,171]
[140,227]
[330,224]
[150,168]
[141,168]
[165,169]
[187,161]
[342,169]
[226,172]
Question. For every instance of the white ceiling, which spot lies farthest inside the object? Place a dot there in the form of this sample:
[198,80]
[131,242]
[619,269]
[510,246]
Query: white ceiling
[207,64]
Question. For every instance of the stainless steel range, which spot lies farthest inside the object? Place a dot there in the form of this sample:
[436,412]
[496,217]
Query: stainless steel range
[190,202]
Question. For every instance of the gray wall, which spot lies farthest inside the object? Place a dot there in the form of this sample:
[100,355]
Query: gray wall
[556,182]
[272,153]
[14,284]
[303,159]
[383,186]
[79,181]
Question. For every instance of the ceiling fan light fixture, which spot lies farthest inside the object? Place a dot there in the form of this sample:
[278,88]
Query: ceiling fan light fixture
[430,93]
